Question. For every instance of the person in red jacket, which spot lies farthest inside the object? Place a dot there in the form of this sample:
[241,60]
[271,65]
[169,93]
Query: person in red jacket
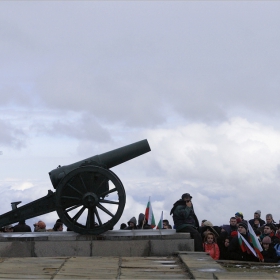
[210,246]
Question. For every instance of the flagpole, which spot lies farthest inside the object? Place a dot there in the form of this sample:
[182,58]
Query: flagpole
[145,215]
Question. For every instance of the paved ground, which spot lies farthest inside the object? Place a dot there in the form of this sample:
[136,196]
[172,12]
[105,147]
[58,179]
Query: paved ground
[92,268]
[202,266]
[182,265]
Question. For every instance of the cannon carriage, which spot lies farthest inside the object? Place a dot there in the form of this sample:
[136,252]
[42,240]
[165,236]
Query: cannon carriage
[89,197]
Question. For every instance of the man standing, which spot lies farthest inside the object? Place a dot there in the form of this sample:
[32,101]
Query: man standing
[269,219]
[269,231]
[232,227]
[257,214]
[235,251]
[185,219]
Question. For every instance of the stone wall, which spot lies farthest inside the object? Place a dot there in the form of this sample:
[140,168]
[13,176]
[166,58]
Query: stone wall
[55,244]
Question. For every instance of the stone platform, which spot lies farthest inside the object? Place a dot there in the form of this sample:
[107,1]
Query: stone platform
[116,243]
[182,265]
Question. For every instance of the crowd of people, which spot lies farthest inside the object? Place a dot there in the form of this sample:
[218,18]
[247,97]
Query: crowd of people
[142,223]
[40,226]
[232,241]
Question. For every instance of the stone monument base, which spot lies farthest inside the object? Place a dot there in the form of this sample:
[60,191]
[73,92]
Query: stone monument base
[115,243]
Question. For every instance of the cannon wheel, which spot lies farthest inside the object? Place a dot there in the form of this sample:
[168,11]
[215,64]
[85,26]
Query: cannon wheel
[81,203]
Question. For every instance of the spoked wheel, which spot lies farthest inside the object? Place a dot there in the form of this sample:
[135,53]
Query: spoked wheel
[90,200]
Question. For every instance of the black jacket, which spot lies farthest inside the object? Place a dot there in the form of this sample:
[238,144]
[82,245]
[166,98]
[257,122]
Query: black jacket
[140,222]
[183,215]
[236,253]
[132,220]
[262,222]
[270,255]
[22,227]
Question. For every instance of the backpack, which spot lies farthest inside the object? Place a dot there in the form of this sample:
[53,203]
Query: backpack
[277,249]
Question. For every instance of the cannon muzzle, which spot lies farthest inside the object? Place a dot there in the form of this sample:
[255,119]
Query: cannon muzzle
[106,160]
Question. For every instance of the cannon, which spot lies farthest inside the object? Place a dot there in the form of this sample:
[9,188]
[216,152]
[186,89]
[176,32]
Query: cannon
[89,197]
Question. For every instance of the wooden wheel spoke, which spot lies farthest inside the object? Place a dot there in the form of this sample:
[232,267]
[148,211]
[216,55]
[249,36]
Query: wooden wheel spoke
[74,189]
[101,183]
[107,192]
[72,208]
[105,210]
[78,215]
[70,197]
[90,219]
[108,201]
[83,183]
[97,216]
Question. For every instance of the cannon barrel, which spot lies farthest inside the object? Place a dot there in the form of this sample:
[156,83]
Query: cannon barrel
[106,160]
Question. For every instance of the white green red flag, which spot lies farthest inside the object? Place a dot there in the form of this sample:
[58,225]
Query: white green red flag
[149,215]
[245,246]
[255,241]
[160,223]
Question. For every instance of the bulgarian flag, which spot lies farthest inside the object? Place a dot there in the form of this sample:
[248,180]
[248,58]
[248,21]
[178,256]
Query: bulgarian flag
[255,241]
[160,223]
[245,246]
[149,215]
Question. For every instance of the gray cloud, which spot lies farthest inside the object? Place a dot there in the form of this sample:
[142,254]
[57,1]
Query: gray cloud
[220,165]
[86,127]
[139,63]
[99,75]
[11,136]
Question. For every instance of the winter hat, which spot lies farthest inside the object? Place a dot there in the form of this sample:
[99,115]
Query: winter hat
[266,240]
[132,220]
[210,227]
[41,225]
[239,214]
[242,224]
[186,195]
[233,233]
[258,212]
[208,224]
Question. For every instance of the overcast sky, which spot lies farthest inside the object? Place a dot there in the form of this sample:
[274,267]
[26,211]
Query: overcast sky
[198,79]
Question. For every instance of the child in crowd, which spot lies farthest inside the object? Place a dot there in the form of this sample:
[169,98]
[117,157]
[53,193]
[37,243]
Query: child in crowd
[210,246]
[268,252]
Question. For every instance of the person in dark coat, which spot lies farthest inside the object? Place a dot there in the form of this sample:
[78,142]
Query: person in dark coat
[269,253]
[253,222]
[123,226]
[131,224]
[231,227]
[269,230]
[58,226]
[185,219]
[235,251]
[224,253]
[22,227]
[142,223]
